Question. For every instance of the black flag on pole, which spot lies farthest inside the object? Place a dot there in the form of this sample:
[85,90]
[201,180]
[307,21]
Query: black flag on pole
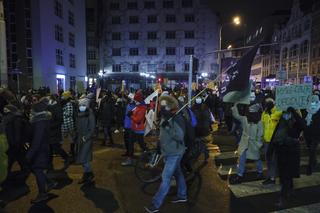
[236,87]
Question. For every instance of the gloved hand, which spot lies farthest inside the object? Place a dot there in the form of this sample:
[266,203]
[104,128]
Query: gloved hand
[165,123]
[291,110]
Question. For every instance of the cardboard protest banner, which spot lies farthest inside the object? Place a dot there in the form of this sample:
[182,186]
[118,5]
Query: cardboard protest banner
[295,96]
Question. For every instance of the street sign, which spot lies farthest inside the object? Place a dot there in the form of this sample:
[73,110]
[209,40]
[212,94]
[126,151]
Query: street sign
[308,79]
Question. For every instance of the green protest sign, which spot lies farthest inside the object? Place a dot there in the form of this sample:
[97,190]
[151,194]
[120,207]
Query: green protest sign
[295,96]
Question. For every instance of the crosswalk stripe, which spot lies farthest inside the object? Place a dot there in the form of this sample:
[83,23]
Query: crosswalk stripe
[313,208]
[252,188]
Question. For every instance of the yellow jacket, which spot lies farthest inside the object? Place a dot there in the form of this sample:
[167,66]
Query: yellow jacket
[269,123]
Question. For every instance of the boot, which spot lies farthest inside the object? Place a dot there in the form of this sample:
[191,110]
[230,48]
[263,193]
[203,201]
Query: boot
[40,198]
[84,178]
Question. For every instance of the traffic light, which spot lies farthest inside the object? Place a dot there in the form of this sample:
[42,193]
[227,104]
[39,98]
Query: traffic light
[195,65]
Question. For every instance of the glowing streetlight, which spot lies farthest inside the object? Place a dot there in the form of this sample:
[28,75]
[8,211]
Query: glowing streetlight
[237,20]
[229,47]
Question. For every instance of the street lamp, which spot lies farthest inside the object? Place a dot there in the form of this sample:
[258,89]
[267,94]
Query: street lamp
[229,47]
[236,21]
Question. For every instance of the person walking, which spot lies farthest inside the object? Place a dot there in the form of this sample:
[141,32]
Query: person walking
[84,143]
[138,119]
[38,153]
[270,119]
[251,140]
[285,142]
[106,116]
[172,147]
[55,139]
[312,132]
[14,125]
[127,124]
[67,127]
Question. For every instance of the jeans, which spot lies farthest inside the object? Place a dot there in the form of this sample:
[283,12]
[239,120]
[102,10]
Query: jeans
[126,137]
[242,164]
[171,167]
[107,134]
[133,138]
[271,164]
[87,167]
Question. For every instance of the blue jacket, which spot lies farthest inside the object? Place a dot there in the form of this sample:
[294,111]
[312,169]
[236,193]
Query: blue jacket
[127,120]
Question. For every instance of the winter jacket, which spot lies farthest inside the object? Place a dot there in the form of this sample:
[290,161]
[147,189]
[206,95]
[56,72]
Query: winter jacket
[285,143]
[138,118]
[85,130]
[172,137]
[38,153]
[127,119]
[203,116]
[13,123]
[55,123]
[269,123]
[251,138]
[312,131]
[107,111]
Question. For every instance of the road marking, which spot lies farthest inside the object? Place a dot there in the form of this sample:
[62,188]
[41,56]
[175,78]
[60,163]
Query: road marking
[251,188]
[313,208]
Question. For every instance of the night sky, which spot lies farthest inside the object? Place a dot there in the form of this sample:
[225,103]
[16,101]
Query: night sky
[252,12]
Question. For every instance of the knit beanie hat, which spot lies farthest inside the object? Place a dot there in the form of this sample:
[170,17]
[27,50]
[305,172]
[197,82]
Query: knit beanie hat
[138,96]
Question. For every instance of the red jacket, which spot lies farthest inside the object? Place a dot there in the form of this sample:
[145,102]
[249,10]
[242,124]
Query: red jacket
[138,118]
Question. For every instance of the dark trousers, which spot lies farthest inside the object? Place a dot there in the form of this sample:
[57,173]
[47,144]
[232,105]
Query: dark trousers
[286,186]
[41,179]
[312,151]
[56,148]
[135,137]
[107,134]
[126,137]
[17,154]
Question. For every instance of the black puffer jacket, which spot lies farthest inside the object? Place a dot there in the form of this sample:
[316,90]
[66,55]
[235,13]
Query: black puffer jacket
[55,123]
[203,120]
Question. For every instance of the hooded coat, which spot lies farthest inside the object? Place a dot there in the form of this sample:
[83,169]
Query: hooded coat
[38,153]
[251,138]
[85,130]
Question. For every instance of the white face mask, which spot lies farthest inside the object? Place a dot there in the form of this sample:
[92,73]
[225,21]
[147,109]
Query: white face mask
[252,97]
[198,100]
[82,108]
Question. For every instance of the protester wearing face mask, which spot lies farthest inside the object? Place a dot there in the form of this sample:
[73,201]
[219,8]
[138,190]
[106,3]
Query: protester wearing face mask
[137,116]
[202,129]
[84,143]
[312,131]
[285,143]
[270,118]
[172,132]
[251,140]
[127,123]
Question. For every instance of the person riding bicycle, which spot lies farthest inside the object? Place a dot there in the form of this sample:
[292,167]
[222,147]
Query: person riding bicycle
[172,132]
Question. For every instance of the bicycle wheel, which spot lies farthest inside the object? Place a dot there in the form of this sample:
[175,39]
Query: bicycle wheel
[146,170]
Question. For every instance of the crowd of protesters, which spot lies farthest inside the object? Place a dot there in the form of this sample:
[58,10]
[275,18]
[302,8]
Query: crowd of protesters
[35,126]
